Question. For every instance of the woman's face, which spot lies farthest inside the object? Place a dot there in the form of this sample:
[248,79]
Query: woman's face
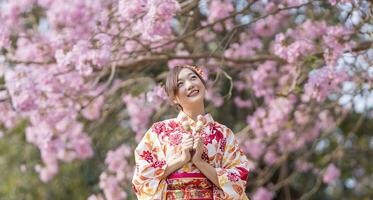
[191,90]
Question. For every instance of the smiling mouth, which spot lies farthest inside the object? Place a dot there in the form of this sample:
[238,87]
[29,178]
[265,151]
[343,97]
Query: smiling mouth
[193,93]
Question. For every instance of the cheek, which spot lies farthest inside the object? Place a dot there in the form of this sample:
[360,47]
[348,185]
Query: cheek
[181,92]
[203,90]
[200,83]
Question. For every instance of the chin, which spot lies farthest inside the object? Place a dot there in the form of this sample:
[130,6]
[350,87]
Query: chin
[196,99]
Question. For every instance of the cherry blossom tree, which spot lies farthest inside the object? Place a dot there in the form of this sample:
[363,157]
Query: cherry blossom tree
[81,81]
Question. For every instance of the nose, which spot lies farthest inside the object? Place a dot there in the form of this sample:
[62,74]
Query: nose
[189,85]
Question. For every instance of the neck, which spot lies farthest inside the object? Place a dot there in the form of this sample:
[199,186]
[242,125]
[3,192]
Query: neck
[193,112]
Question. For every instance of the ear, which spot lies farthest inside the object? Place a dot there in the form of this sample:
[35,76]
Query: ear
[174,100]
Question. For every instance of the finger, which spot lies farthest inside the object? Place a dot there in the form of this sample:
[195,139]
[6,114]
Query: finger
[188,148]
[189,144]
[192,142]
[187,140]
[187,137]
[198,142]
[196,145]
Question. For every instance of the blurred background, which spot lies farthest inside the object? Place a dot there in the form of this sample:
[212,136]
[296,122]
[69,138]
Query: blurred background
[82,80]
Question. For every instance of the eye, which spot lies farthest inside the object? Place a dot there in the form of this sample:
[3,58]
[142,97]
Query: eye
[179,84]
[193,77]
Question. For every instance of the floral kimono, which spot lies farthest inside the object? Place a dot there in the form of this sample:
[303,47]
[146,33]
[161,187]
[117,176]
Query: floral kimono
[162,142]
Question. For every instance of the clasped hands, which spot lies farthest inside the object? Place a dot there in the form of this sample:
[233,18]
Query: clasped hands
[191,149]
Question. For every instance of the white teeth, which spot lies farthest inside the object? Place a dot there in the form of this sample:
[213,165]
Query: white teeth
[192,93]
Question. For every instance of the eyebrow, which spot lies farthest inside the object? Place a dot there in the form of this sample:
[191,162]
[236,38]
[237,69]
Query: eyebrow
[190,73]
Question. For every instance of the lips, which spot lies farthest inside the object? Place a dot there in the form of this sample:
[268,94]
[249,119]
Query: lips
[193,92]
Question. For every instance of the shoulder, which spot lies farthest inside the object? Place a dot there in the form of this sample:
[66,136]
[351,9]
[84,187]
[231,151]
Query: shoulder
[159,130]
[165,121]
[165,126]
[216,126]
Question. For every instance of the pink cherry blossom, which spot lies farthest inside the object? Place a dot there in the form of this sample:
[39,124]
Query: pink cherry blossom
[156,96]
[219,9]
[4,38]
[115,159]
[271,157]
[62,66]
[241,103]
[93,110]
[303,166]
[111,188]
[291,51]
[254,148]
[117,173]
[247,47]
[334,2]
[156,23]
[96,197]
[268,26]
[263,193]
[140,112]
[8,117]
[331,174]
[214,97]
[174,62]
[132,8]
[322,82]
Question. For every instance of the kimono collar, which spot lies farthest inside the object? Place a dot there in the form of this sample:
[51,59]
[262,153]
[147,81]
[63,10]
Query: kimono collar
[205,119]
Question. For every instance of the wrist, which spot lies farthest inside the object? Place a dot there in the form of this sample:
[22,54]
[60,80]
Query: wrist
[184,158]
[197,160]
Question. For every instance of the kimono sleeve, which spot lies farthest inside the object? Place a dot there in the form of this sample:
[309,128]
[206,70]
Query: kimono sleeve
[234,170]
[150,167]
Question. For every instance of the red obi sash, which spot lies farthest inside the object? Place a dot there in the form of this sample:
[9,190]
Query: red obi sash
[192,186]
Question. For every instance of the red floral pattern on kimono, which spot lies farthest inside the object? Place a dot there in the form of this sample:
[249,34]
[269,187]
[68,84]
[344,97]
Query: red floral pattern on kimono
[162,142]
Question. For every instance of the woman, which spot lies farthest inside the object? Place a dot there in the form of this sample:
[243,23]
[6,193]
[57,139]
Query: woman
[190,156]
